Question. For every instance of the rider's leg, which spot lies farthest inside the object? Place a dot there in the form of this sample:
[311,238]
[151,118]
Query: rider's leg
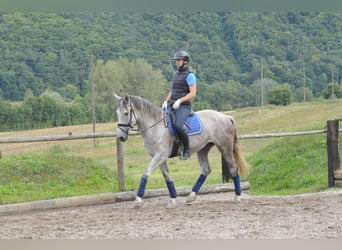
[185,141]
[182,113]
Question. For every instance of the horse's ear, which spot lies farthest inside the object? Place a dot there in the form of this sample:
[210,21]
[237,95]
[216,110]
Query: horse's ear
[126,98]
[117,97]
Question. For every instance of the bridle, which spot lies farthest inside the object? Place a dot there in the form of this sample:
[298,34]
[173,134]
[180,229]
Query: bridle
[129,125]
[125,127]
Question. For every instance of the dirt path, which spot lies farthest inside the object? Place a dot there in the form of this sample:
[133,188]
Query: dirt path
[212,216]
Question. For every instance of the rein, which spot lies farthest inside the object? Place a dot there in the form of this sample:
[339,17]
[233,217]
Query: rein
[153,125]
[162,119]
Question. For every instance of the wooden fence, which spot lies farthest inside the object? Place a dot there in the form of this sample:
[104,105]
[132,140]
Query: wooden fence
[332,131]
[334,171]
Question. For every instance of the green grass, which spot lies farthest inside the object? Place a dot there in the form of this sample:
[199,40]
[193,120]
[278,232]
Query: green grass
[289,165]
[35,176]
[279,166]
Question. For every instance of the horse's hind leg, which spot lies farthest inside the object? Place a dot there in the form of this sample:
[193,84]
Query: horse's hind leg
[202,156]
[233,169]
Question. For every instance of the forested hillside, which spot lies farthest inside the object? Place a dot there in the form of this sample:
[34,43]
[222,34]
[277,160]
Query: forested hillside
[51,53]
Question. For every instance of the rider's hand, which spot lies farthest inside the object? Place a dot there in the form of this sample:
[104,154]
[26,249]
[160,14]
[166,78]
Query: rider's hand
[164,106]
[176,104]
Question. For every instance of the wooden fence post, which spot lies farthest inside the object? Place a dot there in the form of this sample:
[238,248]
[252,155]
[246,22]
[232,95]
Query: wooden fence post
[120,161]
[332,147]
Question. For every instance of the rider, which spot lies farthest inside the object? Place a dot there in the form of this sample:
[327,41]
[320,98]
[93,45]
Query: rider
[179,98]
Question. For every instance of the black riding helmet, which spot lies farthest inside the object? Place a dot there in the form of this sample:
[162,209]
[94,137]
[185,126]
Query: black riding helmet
[182,54]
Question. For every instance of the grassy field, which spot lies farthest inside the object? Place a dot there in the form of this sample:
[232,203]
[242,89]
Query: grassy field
[35,171]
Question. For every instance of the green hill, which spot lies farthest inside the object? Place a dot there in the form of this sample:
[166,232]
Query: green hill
[51,51]
[46,61]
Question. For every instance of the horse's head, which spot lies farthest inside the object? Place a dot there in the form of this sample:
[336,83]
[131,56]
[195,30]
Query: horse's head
[126,117]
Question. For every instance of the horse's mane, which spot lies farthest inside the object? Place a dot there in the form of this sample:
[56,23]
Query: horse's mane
[146,106]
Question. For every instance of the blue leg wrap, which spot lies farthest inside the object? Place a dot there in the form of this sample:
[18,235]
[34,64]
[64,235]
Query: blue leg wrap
[199,183]
[172,189]
[142,187]
[237,185]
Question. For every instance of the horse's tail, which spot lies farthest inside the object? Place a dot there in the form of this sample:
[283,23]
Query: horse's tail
[240,160]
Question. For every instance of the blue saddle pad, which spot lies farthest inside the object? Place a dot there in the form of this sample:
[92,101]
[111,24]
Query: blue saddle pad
[193,125]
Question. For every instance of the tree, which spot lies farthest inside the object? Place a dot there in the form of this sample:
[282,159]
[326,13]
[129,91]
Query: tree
[5,115]
[144,81]
[300,94]
[280,95]
[68,92]
[255,88]
[332,90]
[128,77]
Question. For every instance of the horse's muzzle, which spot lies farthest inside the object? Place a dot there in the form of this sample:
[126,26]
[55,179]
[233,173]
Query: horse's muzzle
[121,135]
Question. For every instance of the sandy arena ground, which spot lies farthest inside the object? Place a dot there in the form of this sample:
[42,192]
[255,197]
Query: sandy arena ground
[211,216]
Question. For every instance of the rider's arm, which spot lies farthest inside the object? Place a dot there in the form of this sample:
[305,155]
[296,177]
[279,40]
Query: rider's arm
[191,95]
[168,97]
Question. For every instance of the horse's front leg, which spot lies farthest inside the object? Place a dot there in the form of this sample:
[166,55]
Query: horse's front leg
[156,161]
[170,185]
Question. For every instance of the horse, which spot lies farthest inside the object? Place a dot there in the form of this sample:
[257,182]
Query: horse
[218,129]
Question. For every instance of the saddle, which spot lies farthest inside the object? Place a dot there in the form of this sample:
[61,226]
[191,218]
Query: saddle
[193,126]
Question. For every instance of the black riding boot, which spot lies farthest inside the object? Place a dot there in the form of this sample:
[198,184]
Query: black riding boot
[186,149]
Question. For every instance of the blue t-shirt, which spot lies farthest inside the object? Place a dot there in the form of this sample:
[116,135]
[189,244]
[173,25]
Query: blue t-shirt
[191,79]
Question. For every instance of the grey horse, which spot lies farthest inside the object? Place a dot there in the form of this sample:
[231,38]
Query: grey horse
[218,129]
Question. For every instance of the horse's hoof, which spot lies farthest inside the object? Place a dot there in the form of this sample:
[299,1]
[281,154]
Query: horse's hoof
[138,203]
[191,197]
[171,204]
[237,198]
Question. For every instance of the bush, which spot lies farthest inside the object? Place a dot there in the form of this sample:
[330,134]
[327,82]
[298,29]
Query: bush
[280,95]
[335,88]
